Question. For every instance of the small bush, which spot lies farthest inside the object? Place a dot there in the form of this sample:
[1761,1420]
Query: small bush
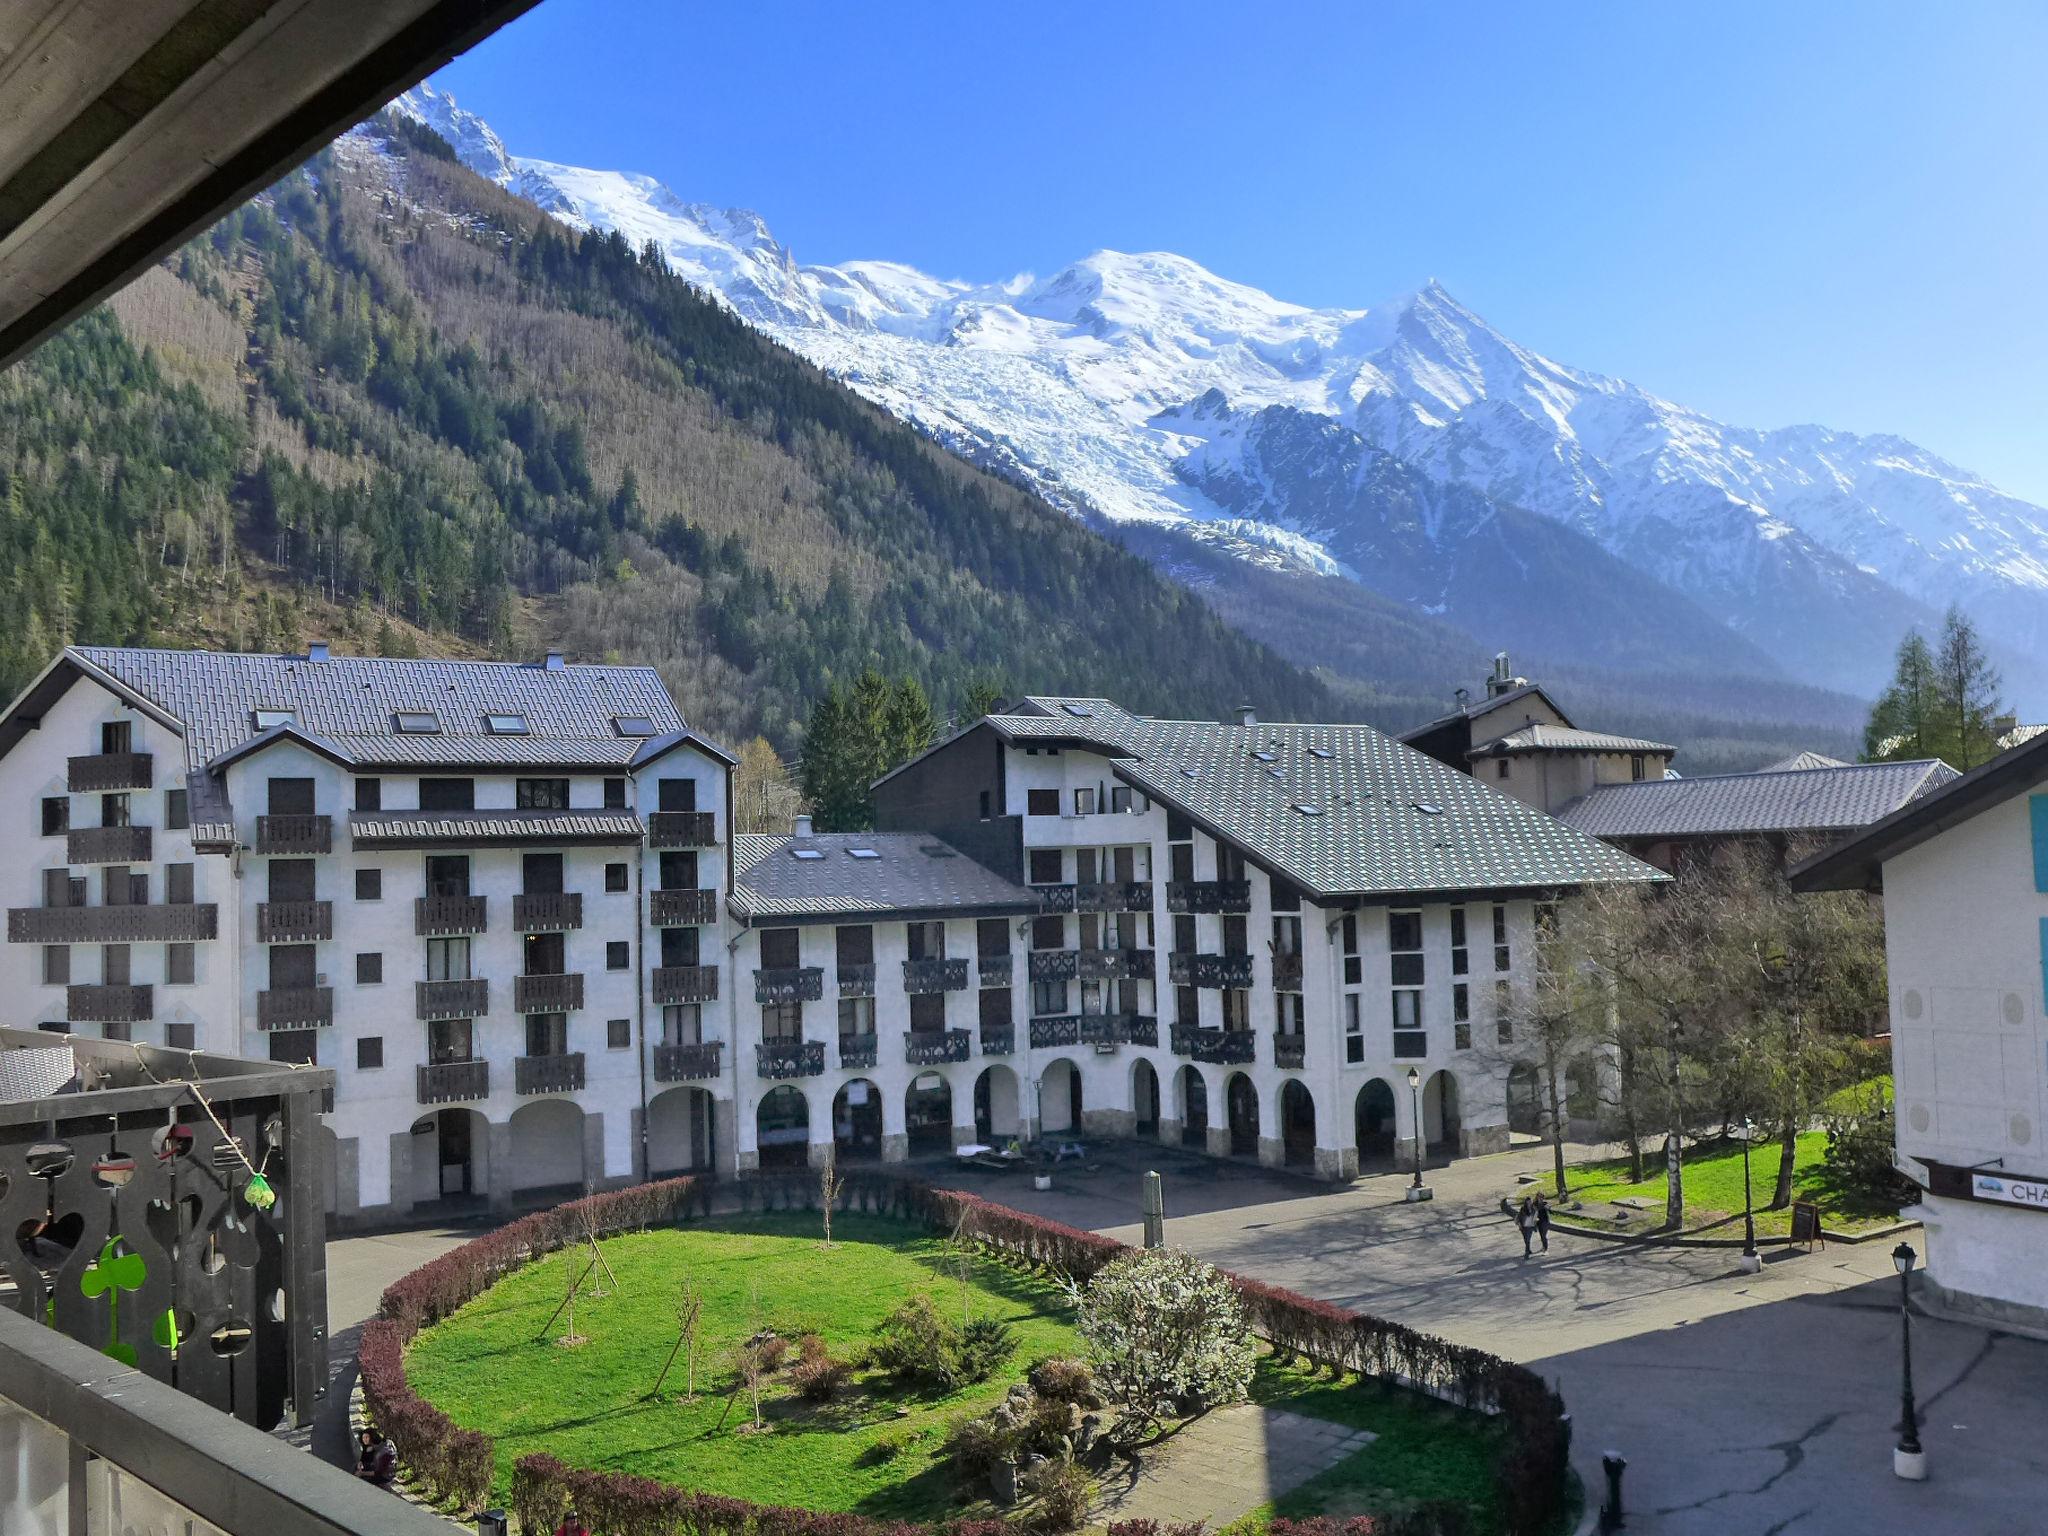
[914,1344]
[1067,1379]
[975,1445]
[1859,1158]
[985,1347]
[883,1450]
[1168,1528]
[810,1347]
[1062,1491]
[770,1349]
[1049,1427]
[819,1378]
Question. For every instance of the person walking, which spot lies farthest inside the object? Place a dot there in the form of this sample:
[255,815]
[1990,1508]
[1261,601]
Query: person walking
[1525,1223]
[1543,1220]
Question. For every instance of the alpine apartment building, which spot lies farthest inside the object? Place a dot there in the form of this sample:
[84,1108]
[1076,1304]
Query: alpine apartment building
[505,903]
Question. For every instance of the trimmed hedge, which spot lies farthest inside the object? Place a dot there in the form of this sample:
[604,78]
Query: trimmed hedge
[1531,1476]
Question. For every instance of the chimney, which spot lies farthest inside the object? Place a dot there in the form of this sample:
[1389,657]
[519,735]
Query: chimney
[1463,697]
[2004,725]
[553,662]
[316,651]
[803,826]
[1247,716]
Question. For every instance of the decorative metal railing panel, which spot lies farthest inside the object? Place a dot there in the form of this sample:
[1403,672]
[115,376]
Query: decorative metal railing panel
[858,1052]
[1056,1029]
[686,1063]
[789,984]
[294,922]
[1054,898]
[548,1074]
[857,980]
[441,917]
[1115,965]
[1102,1029]
[1208,896]
[452,1082]
[465,999]
[107,845]
[1287,973]
[994,970]
[109,772]
[1289,1051]
[1209,970]
[1141,1029]
[295,1008]
[85,1003]
[166,923]
[553,912]
[682,829]
[789,1058]
[1114,896]
[685,983]
[547,994]
[998,1039]
[302,834]
[1217,1045]
[682,909]
[921,978]
[929,1047]
[1054,965]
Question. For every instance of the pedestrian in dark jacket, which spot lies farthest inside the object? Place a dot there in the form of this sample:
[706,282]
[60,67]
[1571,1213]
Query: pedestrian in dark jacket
[1525,1223]
[376,1459]
[1543,1221]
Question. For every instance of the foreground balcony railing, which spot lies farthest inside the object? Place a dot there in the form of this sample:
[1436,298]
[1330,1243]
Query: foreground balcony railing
[1054,965]
[685,983]
[294,922]
[857,980]
[682,829]
[1054,898]
[1233,971]
[303,834]
[547,994]
[547,912]
[921,978]
[857,1052]
[441,917]
[682,909]
[452,1082]
[994,970]
[1115,964]
[1114,896]
[1217,1045]
[789,984]
[686,1063]
[85,1003]
[462,999]
[548,1074]
[998,1039]
[166,923]
[929,1047]
[295,1008]
[1289,1050]
[101,773]
[1207,896]
[107,845]
[789,1058]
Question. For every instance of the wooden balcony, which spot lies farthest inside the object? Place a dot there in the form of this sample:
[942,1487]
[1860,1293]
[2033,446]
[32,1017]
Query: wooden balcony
[857,1053]
[1056,1029]
[548,994]
[295,834]
[682,909]
[857,980]
[922,978]
[1054,965]
[998,1039]
[1208,896]
[682,829]
[167,923]
[101,773]
[1229,1046]
[1115,965]
[467,999]
[994,970]
[295,1008]
[1209,970]
[547,1074]
[1141,1028]
[1287,973]
[294,922]
[1289,1051]
[107,845]
[441,917]
[789,1058]
[789,984]
[452,1082]
[1114,896]
[930,1047]
[685,984]
[1054,898]
[686,1063]
[87,1004]
[558,912]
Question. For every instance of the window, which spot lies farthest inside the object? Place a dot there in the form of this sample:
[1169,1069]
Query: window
[1042,802]
[1289,1014]
[1500,939]
[56,815]
[682,1024]
[138,888]
[633,725]
[681,947]
[1461,1003]
[449,1040]
[1048,997]
[677,795]
[547,1034]
[177,810]
[113,810]
[984,805]
[854,944]
[679,871]
[1635,765]
[1045,866]
[180,963]
[1178,828]
[540,874]
[1237,1008]
[1120,798]
[505,725]
[447,794]
[61,888]
[298,1047]
[545,954]
[416,722]
[618,955]
[117,736]
[994,1007]
[369,794]
[1187,1006]
[1410,1039]
[1500,768]
[1048,933]
[114,1031]
[369,968]
[114,962]
[447,874]
[856,1016]
[291,797]
[1236,934]
[1404,945]
[618,1034]
[779,948]
[542,794]
[1229,863]
[178,884]
[1503,1013]
[928,1011]
[448,959]
[178,1035]
[992,936]
[927,940]
[1084,802]
[615,877]
[369,1053]
[782,1021]
[115,885]
[369,885]
[615,794]
[271,719]
[1459,955]
[56,965]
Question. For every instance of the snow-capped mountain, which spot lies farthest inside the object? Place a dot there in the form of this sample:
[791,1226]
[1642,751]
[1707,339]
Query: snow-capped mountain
[1137,387]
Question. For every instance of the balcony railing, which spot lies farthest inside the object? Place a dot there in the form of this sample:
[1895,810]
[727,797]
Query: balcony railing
[1206,896]
[994,970]
[294,922]
[682,829]
[547,994]
[1114,896]
[295,834]
[1217,1045]
[1056,1029]
[858,1052]
[548,1074]
[109,772]
[921,978]
[554,912]
[1289,1051]
[87,1004]
[451,1082]
[789,984]
[686,1063]
[466,999]
[857,980]
[107,845]
[1287,973]
[1054,898]
[685,984]
[1054,965]
[1115,965]
[682,909]
[168,923]
[998,1039]
[789,1058]
[1209,970]
[928,1047]
[1102,1029]
[295,1008]
[1141,1028]
[440,917]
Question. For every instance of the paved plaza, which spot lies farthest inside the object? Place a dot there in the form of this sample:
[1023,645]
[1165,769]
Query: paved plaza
[1745,1405]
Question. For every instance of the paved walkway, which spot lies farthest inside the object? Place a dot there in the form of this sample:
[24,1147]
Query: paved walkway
[1223,1465]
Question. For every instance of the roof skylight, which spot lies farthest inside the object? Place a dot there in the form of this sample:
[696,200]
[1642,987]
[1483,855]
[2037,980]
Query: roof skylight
[807,853]
[1427,809]
[1318,751]
[633,725]
[416,722]
[505,725]
[271,719]
[1079,711]
[862,853]
[1264,757]
[1307,809]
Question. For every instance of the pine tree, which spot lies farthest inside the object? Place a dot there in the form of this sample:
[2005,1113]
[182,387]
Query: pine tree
[1968,689]
[833,767]
[908,726]
[1905,723]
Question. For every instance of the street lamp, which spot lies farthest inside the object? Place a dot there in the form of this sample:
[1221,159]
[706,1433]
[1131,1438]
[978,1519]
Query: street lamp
[1751,1263]
[1908,1460]
[1416,1190]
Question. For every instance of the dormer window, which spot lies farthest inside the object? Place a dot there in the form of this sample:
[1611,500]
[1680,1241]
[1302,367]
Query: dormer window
[862,853]
[416,722]
[807,853]
[633,725]
[505,725]
[271,719]
[1079,711]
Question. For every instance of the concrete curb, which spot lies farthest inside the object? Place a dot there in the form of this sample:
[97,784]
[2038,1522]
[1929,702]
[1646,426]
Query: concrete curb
[1662,1240]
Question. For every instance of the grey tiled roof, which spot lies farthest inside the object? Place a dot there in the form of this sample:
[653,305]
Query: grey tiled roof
[1386,820]
[906,876]
[1801,760]
[1481,706]
[1559,738]
[1833,799]
[387,829]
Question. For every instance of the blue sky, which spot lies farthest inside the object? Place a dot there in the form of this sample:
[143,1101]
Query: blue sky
[1776,213]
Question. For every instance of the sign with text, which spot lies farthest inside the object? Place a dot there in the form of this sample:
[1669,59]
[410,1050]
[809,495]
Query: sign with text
[2028,1192]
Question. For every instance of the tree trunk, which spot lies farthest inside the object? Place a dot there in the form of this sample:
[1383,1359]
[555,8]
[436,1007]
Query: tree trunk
[1556,1115]
[1674,1144]
[1631,1128]
[1788,1144]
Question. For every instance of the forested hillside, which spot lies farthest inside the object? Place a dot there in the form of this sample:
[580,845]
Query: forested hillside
[389,403]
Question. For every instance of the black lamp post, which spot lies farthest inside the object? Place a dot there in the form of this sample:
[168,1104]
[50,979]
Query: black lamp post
[1908,1460]
[1415,1097]
[1749,1258]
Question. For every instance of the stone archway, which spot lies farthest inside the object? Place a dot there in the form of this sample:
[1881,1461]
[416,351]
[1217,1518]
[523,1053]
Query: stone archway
[1241,1110]
[998,1116]
[928,1114]
[1525,1100]
[547,1147]
[451,1157]
[782,1128]
[1373,1125]
[857,1122]
[1440,1114]
[680,1132]
[1144,1099]
[1059,1098]
[1193,1094]
[1297,1124]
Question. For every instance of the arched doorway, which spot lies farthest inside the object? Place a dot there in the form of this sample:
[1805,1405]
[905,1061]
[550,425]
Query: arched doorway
[1440,1114]
[856,1122]
[1373,1124]
[1525,1100]
[1298,1124]
[1241,1107]
[1194,1108]
[928,1113]
[1582,1091]
[547,1147]
[997,1115]
[451,1156]
[782,1128]
[679,1131]
[1144,1099]
[1059,1099]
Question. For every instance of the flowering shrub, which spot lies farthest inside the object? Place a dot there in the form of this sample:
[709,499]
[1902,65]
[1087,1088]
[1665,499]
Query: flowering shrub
[1164,1330]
